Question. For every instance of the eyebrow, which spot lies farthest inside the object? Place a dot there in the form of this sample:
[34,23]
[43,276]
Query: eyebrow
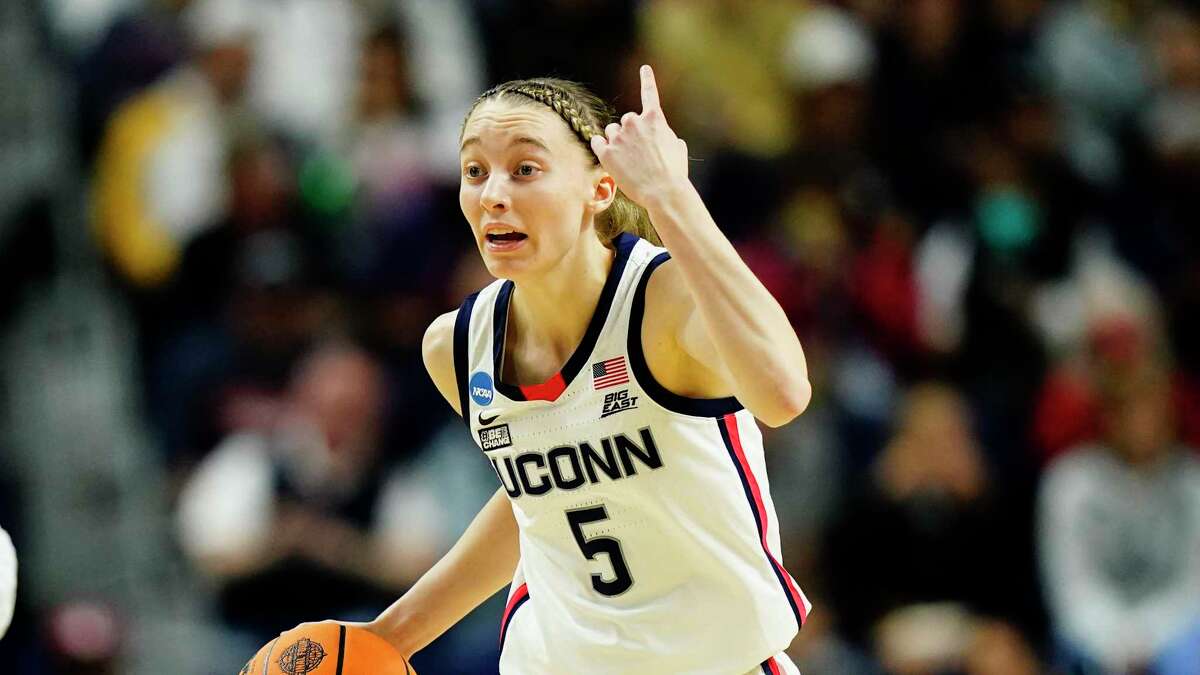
[520,140]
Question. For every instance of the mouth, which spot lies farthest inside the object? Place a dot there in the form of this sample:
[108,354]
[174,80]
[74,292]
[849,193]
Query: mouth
[505,241]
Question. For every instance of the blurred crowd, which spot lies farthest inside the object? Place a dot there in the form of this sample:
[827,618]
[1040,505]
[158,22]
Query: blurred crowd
[981,216]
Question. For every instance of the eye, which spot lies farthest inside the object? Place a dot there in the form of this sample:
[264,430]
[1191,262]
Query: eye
[527,170]
[473,171]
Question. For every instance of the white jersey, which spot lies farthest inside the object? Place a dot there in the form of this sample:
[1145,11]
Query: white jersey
[649,541]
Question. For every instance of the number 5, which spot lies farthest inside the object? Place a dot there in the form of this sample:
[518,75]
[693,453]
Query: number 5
[591,547]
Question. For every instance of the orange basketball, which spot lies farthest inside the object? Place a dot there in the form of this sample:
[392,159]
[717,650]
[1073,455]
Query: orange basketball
[327,649]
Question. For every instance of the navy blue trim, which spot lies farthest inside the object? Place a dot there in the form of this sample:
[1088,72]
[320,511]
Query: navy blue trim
[462,331]
[341,647]
[699,407]
[762,533]
[764,667]
[758,524]
[623,245]
[499,330]
[511,616]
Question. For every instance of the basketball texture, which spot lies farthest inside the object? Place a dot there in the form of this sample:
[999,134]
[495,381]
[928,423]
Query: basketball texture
[327,649]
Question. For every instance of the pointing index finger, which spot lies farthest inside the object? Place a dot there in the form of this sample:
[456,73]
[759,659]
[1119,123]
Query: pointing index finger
[649,90]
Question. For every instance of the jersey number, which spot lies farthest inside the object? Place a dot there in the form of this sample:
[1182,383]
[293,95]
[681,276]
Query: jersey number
[621,580]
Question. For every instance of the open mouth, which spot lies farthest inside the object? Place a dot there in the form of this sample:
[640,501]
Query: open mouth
[507,236]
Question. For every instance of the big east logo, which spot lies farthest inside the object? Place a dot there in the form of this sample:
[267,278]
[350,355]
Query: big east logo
[618,401]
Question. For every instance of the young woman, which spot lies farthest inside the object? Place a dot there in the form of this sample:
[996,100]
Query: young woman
[613,386]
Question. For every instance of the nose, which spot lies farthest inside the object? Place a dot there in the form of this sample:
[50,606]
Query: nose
[494,196]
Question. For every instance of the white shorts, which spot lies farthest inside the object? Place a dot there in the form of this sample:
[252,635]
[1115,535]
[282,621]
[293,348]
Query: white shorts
[524,651]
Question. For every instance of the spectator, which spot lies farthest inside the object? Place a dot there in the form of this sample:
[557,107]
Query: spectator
[390,161]
[929,524]
[304,93]
[135,51]
[310,505]
[160,177]
[721,64]
[944,638]
[1119,535]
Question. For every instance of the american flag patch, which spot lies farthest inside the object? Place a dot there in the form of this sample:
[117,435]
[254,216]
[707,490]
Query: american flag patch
[609,373]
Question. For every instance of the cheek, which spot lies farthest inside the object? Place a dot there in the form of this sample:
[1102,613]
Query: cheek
[556,201]
[468,201]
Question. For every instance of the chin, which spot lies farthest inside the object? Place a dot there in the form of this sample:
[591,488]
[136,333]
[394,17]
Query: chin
[507,267]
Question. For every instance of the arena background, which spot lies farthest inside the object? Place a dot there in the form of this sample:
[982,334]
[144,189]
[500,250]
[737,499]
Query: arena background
[225,225]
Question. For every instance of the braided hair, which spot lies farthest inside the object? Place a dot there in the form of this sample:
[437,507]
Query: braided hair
[586,114]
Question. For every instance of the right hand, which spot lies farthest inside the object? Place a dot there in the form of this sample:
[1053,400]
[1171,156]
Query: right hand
[377,628]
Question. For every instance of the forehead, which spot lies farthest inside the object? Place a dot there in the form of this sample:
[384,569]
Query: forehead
[498,122]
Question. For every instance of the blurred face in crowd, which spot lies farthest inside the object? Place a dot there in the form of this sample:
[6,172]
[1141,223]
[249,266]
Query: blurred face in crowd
[340,393]
[383,84]
[528,187]
[999,649]
[1139,419]
[934,450]
[930,27]
[1175,40]
[228,67]
[835,116]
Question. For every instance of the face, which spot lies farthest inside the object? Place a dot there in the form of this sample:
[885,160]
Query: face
[529,189]
[228,68]
[1141,428]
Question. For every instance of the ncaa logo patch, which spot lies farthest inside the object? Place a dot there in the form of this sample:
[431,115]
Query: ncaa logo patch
[481,388]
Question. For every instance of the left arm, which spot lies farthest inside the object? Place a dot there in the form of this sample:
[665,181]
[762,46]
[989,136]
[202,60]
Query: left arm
[730,322]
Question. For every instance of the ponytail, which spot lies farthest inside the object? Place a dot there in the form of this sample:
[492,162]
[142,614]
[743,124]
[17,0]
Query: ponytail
[623,215]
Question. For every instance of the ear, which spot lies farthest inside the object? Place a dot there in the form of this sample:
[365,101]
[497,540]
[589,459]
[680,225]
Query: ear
[604,191]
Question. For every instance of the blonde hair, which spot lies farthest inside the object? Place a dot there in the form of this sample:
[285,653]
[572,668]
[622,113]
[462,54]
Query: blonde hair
[586,114]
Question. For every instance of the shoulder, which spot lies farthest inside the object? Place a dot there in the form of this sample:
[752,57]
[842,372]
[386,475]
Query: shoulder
[437,350]
[1070,478]
[1083,460]
[439,336]
[668,299]
[677,348]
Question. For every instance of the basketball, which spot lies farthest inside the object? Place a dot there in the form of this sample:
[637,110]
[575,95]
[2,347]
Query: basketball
[327,648]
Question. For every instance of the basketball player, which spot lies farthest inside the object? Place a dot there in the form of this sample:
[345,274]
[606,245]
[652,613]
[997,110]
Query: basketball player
[613,386]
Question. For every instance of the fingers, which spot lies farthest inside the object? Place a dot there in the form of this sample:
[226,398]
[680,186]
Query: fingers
[628,120]
[598,144]
[649,90]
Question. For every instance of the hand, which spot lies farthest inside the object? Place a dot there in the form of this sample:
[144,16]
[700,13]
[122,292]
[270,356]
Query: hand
[642,153]
[379,629]
[301,626]
[372,626]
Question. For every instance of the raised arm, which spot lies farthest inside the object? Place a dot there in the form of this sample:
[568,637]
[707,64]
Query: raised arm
[480,563]
[728,319]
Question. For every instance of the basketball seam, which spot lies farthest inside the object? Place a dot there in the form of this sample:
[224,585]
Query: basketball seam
[341,647]
[267,658]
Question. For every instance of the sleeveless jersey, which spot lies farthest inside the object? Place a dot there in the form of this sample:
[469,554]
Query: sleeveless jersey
[648,536]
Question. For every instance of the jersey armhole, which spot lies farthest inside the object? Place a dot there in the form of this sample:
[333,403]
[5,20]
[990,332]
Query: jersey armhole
[462,330]
[684,405]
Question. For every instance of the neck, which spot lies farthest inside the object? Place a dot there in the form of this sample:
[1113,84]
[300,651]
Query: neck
[550,314]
